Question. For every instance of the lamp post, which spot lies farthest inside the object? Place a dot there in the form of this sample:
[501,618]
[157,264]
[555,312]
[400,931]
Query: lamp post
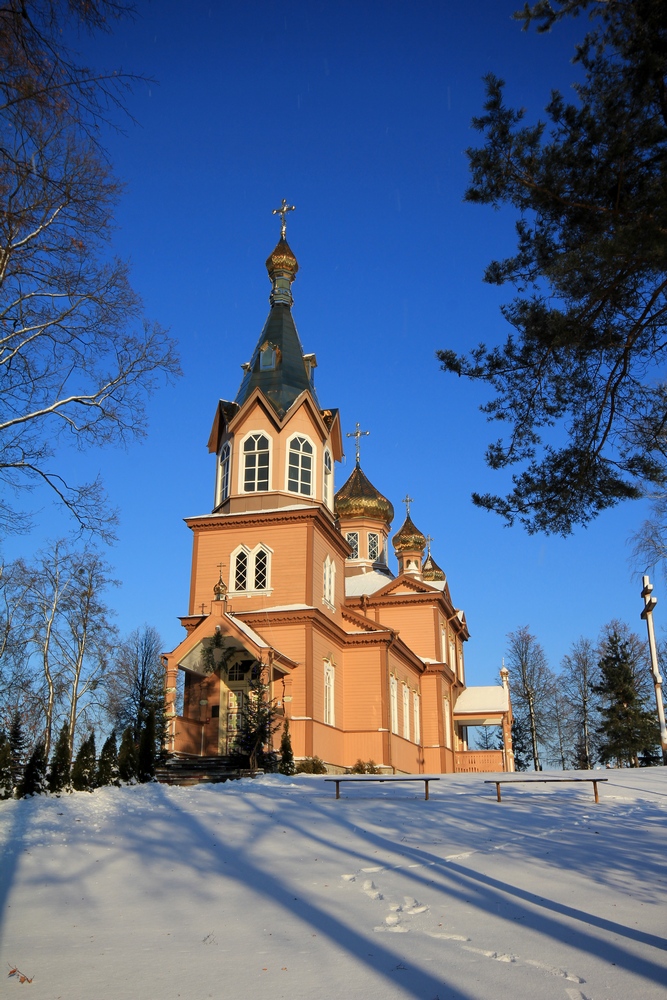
[647,614]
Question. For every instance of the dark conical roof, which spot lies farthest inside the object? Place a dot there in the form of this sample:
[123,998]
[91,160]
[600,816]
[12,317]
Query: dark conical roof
[408,537]
[289,376]
[359,498]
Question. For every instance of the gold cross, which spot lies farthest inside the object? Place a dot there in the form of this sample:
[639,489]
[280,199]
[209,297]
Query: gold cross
[407,500]
[282,212]
[358,433]
[428,542]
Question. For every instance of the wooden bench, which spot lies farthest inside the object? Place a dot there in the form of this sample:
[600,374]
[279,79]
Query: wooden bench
[363,778]
[528,781]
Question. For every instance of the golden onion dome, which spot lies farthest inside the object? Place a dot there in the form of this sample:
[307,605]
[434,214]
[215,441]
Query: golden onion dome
[281,259]
[431,571]
[359,498]
[408,538]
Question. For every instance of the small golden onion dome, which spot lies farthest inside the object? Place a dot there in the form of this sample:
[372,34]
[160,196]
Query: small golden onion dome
[220,590]
[408,538]
[431,571]
[281,259]
[359,498]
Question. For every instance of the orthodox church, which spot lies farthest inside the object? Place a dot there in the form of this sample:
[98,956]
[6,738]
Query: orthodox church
[292,579]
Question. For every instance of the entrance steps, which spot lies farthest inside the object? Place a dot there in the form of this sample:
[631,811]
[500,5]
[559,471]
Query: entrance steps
[182,770]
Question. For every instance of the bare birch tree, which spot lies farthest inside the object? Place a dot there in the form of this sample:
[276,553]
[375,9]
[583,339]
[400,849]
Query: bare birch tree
[532,682]
[76,361]
[579,671]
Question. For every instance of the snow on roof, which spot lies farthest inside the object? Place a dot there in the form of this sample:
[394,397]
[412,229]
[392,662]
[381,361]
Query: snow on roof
[482,701]
[366,583]
[252,635]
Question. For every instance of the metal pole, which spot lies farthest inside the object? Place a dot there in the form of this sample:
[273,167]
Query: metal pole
[647,614]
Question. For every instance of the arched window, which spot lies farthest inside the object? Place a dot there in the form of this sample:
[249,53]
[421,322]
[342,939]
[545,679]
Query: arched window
[261,570]
[329,694]
[327,488]
[393,704]
[256,463]
[300,467]
[225,463]
[241,571]
[406,712]
[416,726]
[329,589]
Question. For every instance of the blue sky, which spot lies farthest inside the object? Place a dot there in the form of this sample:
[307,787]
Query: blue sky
[359,114]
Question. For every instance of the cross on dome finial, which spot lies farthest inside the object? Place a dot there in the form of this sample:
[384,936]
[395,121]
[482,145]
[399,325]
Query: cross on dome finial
[429,539]
[282,212]
[358,433]
[407,500]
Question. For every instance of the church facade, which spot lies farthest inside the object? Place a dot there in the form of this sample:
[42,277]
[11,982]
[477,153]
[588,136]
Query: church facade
[291,578]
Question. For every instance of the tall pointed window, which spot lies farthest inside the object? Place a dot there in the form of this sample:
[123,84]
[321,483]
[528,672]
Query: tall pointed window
[447,716]
[393,704]
[256,463]
[329,583]
[241,571]
[300,467]
[416,725]
[327,487]
[225,462]
[406,712]
[329,694]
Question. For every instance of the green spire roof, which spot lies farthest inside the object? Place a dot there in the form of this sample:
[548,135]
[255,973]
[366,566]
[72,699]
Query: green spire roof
[278,365]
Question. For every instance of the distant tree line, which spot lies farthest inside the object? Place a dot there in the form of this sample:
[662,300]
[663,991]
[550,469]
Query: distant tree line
[67,678]
[599,709]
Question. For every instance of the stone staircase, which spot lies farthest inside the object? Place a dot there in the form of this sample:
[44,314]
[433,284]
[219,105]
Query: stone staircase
[181,770]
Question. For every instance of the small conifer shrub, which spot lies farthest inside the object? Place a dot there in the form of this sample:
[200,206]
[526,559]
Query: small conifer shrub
[127,758]
[58,777]
[311,765]
[107,767]
[34,775]
[85,766]
[146,759]
[6,780]
[286,765]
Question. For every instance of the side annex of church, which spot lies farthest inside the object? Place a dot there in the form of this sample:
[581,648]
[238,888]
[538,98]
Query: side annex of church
[294,578]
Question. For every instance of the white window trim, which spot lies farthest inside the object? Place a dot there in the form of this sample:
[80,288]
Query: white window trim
[250,591]
[329,574]
[241,463]
[313,471]
[393,704]
[406,712]
[416,718]
[219,498]
[447,717]
[327,494]
[329,694]
[376,535]
[346,539]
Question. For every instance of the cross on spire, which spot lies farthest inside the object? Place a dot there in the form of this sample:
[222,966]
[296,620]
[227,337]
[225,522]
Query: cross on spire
[407,500]
[282,212]
[428,543]
[358,433]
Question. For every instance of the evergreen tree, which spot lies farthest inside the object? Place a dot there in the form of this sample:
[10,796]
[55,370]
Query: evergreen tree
[107,768]
[286,765]
[127,757]
[18,748]
[590,318]
[6,780]
[34,775]
[521,744]
[85,766]
[258,724]
[146,760]
[59,769]
[627,729]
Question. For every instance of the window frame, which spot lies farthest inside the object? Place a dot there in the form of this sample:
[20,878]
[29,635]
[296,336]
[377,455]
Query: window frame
[327,479]
[251,588]
[355,548]
[406,711]
[416,717]
[329,714]
[244,455]
[329,582]
[224,472]
[393,704]
[313,458]
[376,536]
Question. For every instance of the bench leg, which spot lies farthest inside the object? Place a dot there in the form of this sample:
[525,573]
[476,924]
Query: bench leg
[498,791]
[338,789]
[426,788]
[595,791]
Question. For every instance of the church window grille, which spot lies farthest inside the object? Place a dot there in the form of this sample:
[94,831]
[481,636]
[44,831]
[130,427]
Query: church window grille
[406,712]
[256,467]
[329,693]
[373,546]
[328,478]
[225,463]
[416,724]
[300,468]
[393,703]
[241,571]
[353,542]
[261,570]
[237,672]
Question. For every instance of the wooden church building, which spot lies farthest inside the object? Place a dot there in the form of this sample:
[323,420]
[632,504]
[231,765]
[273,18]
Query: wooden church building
[294,578]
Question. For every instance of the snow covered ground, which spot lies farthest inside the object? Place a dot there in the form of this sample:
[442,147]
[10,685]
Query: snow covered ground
[273,888]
